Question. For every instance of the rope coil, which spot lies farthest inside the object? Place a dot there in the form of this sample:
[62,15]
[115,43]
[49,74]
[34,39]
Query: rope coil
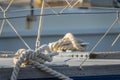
[68,42]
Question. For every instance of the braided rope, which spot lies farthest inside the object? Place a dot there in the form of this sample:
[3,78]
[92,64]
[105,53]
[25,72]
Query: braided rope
[51,71]
[36,58]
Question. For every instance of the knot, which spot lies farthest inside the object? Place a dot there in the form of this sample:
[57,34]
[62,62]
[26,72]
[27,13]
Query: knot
[27,56]
[37,58]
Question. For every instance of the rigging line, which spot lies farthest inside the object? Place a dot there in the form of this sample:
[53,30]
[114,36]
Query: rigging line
[21,10]
[65,7]
[69,4]
[39,8]
[40,26]
[73,6]
[106,32]
[115,21]
[107,8]
[116,39]
[18,34]
[51,8]
[2,26]
[9,5]
[76,3]
[3,22]
[51,14]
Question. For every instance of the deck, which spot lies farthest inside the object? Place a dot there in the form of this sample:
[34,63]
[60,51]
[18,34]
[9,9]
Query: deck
[98,66]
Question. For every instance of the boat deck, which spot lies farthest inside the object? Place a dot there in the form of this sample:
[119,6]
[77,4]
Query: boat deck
[93,67]
[101,65]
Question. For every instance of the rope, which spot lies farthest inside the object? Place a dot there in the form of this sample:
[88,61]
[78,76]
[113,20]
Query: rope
[21,10]
[116,39]
[40,26]
[66,6]
[2,25]
[36,58]
[65,13]
[69,3]
[116,20]
[18,34]
[51,71]
[51,8]
[68,42]
[76,3]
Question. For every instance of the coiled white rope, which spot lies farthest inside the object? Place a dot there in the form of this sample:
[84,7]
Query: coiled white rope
[68,42]
[36,58]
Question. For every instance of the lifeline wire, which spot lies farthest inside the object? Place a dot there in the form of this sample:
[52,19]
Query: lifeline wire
[52,14]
